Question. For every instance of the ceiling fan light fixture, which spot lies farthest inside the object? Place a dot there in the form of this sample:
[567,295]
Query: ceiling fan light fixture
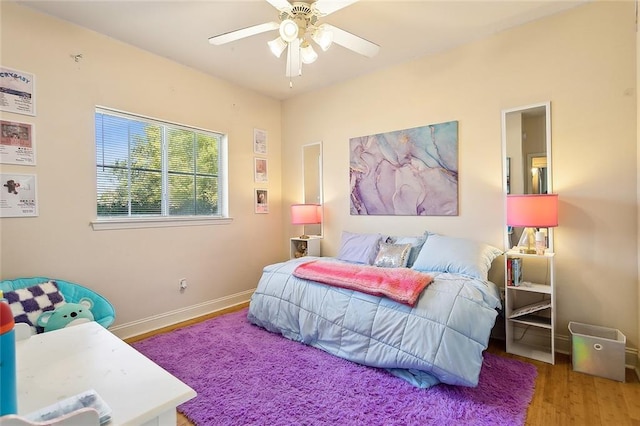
[288,30]
[298,24]
[308,54]
[323,36]
[277,46]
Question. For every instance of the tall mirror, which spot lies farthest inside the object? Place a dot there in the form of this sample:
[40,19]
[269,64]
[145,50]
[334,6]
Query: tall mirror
[526,142]
[312,181]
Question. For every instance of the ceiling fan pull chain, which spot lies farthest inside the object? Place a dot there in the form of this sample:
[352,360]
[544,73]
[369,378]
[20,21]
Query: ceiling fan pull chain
[289,60]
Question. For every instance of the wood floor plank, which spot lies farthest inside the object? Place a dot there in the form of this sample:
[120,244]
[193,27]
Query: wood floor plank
[583,406]
[631,396]
[613,408]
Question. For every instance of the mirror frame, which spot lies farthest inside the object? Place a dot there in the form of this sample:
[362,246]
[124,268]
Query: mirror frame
[308,157]
[506,161]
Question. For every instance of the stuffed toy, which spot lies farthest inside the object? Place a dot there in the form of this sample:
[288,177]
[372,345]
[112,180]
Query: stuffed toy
[67,315]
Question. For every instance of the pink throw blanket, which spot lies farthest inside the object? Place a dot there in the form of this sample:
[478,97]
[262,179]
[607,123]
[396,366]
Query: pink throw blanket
[400,284]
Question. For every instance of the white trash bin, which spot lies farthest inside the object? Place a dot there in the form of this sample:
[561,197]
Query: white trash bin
[598,351]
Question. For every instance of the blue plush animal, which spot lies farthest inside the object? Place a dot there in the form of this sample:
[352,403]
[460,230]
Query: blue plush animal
[66,315]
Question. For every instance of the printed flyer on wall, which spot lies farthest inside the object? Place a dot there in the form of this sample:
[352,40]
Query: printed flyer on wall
[17,91]
[17,144]
[260,141]
[18,195]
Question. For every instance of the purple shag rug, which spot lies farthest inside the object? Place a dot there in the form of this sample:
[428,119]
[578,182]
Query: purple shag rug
[245,375]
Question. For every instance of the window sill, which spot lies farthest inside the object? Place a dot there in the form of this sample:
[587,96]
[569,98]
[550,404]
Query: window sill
[156,222]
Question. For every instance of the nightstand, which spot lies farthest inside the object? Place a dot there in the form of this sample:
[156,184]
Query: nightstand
[299,247]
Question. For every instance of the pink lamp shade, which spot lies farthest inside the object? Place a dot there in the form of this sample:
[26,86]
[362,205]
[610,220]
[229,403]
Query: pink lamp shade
[305,214]
[532,211]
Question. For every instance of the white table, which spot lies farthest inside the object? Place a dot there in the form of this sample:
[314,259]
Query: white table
[58,364]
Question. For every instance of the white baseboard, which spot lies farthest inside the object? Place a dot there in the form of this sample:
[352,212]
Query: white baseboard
[145,325]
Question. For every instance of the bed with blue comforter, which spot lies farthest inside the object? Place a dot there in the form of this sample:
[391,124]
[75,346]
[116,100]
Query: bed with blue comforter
[440,339]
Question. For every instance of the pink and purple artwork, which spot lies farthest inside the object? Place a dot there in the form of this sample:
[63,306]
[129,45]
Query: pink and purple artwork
[412,172]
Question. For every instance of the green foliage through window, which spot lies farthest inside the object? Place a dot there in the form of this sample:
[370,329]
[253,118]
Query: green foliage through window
[152,168]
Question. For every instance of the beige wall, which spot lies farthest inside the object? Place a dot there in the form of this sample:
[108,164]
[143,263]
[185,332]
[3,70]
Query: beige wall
[583,61]
[137,270]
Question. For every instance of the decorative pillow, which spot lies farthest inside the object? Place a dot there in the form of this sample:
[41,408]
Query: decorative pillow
[456,255]
[393,255]
[28,303]
[359,248]
[67,315]
[416,245]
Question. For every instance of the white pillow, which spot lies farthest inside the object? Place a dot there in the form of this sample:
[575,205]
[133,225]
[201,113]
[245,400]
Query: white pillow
[456,255]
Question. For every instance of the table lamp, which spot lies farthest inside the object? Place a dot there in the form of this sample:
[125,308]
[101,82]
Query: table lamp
[532,211]
[305,214]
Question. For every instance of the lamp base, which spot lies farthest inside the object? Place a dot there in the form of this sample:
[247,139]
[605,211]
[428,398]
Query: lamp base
[525,250]
[304,237]
[526,245]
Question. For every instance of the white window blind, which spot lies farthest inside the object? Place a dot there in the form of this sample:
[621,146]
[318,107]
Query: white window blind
[150,168]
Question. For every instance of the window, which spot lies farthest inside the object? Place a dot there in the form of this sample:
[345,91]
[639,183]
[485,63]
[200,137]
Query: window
[152,169]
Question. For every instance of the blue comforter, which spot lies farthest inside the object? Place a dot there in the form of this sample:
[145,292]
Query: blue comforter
[439,340]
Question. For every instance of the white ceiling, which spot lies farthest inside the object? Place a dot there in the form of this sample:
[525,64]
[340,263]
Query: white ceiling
[179,30]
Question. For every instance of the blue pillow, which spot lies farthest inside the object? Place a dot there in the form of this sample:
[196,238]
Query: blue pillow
[359,248]
[456,255]
[416,245]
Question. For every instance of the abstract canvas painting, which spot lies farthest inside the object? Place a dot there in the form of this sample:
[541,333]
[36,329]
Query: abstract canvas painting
[412,172]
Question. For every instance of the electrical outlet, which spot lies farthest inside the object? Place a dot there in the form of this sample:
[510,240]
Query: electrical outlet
[183,283]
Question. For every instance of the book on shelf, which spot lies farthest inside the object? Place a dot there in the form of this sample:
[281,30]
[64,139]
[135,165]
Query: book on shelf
[87,399]
[514,271]
[529,309]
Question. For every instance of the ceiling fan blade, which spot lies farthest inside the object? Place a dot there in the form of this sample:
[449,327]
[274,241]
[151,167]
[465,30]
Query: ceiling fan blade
[326,7]
[281,5]
[294,60]
[353,42]
[243,32]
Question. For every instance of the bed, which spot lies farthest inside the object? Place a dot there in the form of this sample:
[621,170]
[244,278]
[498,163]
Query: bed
[425,335]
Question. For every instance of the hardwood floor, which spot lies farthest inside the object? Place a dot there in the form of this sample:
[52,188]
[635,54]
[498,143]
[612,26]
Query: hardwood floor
[565,397]
[562,396]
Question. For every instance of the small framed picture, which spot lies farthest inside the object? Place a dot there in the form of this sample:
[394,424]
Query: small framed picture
[260,169]
[17,91]
[18,195]
[17,143]
[262,201]
[260,141]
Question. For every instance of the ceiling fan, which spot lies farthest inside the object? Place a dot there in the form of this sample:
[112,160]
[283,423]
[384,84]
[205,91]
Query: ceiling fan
[299,22]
